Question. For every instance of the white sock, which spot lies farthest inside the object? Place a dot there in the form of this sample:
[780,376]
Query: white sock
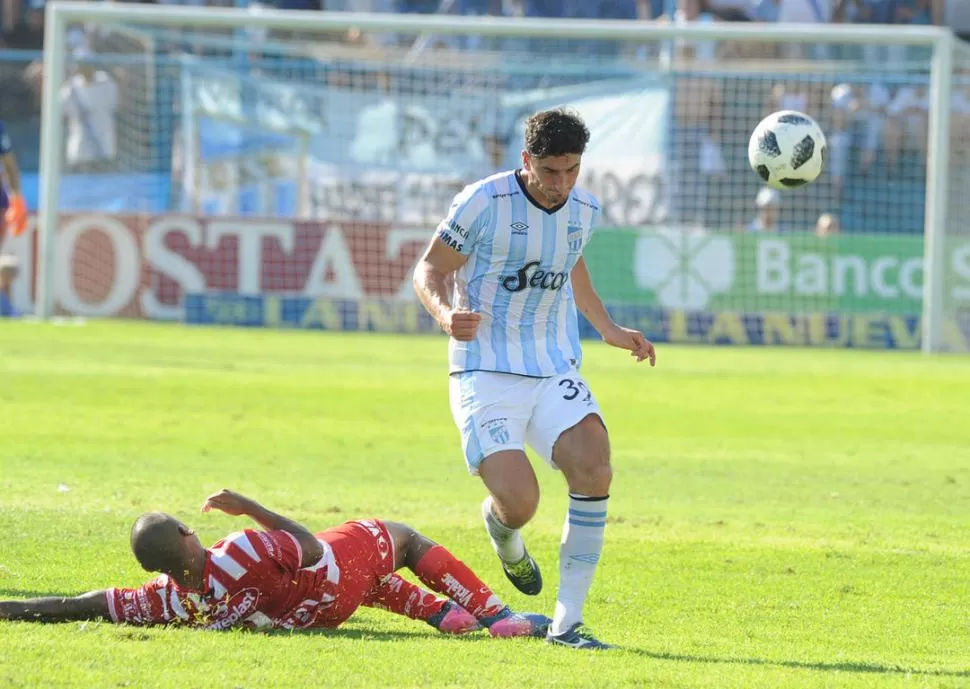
[506,541]
[582,544]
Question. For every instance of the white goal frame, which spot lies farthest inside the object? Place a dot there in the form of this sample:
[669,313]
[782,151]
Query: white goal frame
[60,14]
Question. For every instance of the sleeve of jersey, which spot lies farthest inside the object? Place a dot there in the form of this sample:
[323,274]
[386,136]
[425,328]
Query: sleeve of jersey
[594,221]
[278,546]
[467,218]
[154,603]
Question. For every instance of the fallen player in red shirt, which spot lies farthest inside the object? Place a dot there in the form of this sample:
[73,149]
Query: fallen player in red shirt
[287,578]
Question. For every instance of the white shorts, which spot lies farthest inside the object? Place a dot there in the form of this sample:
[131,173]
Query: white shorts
[504,411]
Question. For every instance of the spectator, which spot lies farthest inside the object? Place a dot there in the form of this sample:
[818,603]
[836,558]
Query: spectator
[906,126]
[794,95]
[805,12]
[890,12]
[28,33]
[697,157]
[960,116]
[768,203]
[827,226]
[956,15]
[851,105]
[873,109]
[89,100]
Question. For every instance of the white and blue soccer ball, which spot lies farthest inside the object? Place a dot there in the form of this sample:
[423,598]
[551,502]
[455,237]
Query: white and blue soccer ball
[787,149]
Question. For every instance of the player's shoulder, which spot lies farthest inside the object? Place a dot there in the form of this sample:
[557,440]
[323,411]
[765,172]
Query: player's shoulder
[584,197]
[486,191]
[253,543]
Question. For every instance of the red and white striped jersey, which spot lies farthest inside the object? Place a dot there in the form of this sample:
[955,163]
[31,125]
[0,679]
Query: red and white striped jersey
[252,579]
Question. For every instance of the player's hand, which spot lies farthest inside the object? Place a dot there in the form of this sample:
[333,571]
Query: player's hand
[15,217]
[461,324]
[632,340]
[228,501]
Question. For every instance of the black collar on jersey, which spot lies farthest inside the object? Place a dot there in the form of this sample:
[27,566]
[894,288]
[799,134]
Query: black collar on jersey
[535,203]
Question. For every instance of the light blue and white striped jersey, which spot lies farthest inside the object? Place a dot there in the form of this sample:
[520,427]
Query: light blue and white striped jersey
[517,276]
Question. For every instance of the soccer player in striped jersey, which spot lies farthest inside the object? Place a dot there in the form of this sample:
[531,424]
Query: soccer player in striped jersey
[512,245]
[286,577]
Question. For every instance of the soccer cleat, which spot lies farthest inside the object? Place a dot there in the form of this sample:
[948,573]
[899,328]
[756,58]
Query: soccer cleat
[508,624]
[578,636]
[524,575]
[454,619]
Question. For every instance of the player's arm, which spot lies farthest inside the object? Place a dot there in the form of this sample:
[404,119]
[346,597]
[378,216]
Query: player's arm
[89,606]
[448,251]
[431,285]
[12,171]
[591,306]
[235,504]
[15,219]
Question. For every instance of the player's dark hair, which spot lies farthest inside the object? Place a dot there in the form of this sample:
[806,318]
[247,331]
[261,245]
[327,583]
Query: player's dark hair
[556,132]
[156,542]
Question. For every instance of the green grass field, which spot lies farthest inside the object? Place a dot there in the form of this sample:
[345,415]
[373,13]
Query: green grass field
[780,518]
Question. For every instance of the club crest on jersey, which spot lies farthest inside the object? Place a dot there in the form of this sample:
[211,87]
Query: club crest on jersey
[574,237]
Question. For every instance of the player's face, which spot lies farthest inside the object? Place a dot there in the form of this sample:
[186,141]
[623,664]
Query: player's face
[552,177]
[190,541]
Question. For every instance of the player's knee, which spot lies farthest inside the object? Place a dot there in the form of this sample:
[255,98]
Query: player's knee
[409,545]
[599,475]
[583,454]
[590,477]
[524,511]
[516,508]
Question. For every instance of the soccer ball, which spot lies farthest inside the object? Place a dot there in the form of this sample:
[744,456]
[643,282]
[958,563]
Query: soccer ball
[787,149]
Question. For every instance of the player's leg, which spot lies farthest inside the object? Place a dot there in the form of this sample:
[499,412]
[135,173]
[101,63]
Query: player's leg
[492,411]
[512,501]
[441,571]
[568,431]
[400,596]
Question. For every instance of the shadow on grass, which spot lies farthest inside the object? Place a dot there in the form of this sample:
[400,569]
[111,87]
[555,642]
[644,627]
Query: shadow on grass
[847,666]
[356,633]
[21,594]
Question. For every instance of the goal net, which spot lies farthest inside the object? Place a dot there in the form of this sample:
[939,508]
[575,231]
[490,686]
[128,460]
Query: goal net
[286,169]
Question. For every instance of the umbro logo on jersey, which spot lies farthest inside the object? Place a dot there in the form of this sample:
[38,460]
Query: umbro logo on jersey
[519,227]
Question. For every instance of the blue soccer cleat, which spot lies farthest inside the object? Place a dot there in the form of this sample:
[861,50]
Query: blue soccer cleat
[578,636]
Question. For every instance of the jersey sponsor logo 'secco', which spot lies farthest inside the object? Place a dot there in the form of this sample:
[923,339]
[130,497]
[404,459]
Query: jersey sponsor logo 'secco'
[531,275]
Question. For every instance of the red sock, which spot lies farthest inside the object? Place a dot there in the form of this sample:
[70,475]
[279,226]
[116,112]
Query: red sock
[400,596]
[443,572]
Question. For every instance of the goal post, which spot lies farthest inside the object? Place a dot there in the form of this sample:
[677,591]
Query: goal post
[694,199]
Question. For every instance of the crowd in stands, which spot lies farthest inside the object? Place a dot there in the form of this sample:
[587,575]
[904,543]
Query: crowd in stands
[881,120]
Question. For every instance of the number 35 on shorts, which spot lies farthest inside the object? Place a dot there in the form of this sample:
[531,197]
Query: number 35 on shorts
[576,389]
